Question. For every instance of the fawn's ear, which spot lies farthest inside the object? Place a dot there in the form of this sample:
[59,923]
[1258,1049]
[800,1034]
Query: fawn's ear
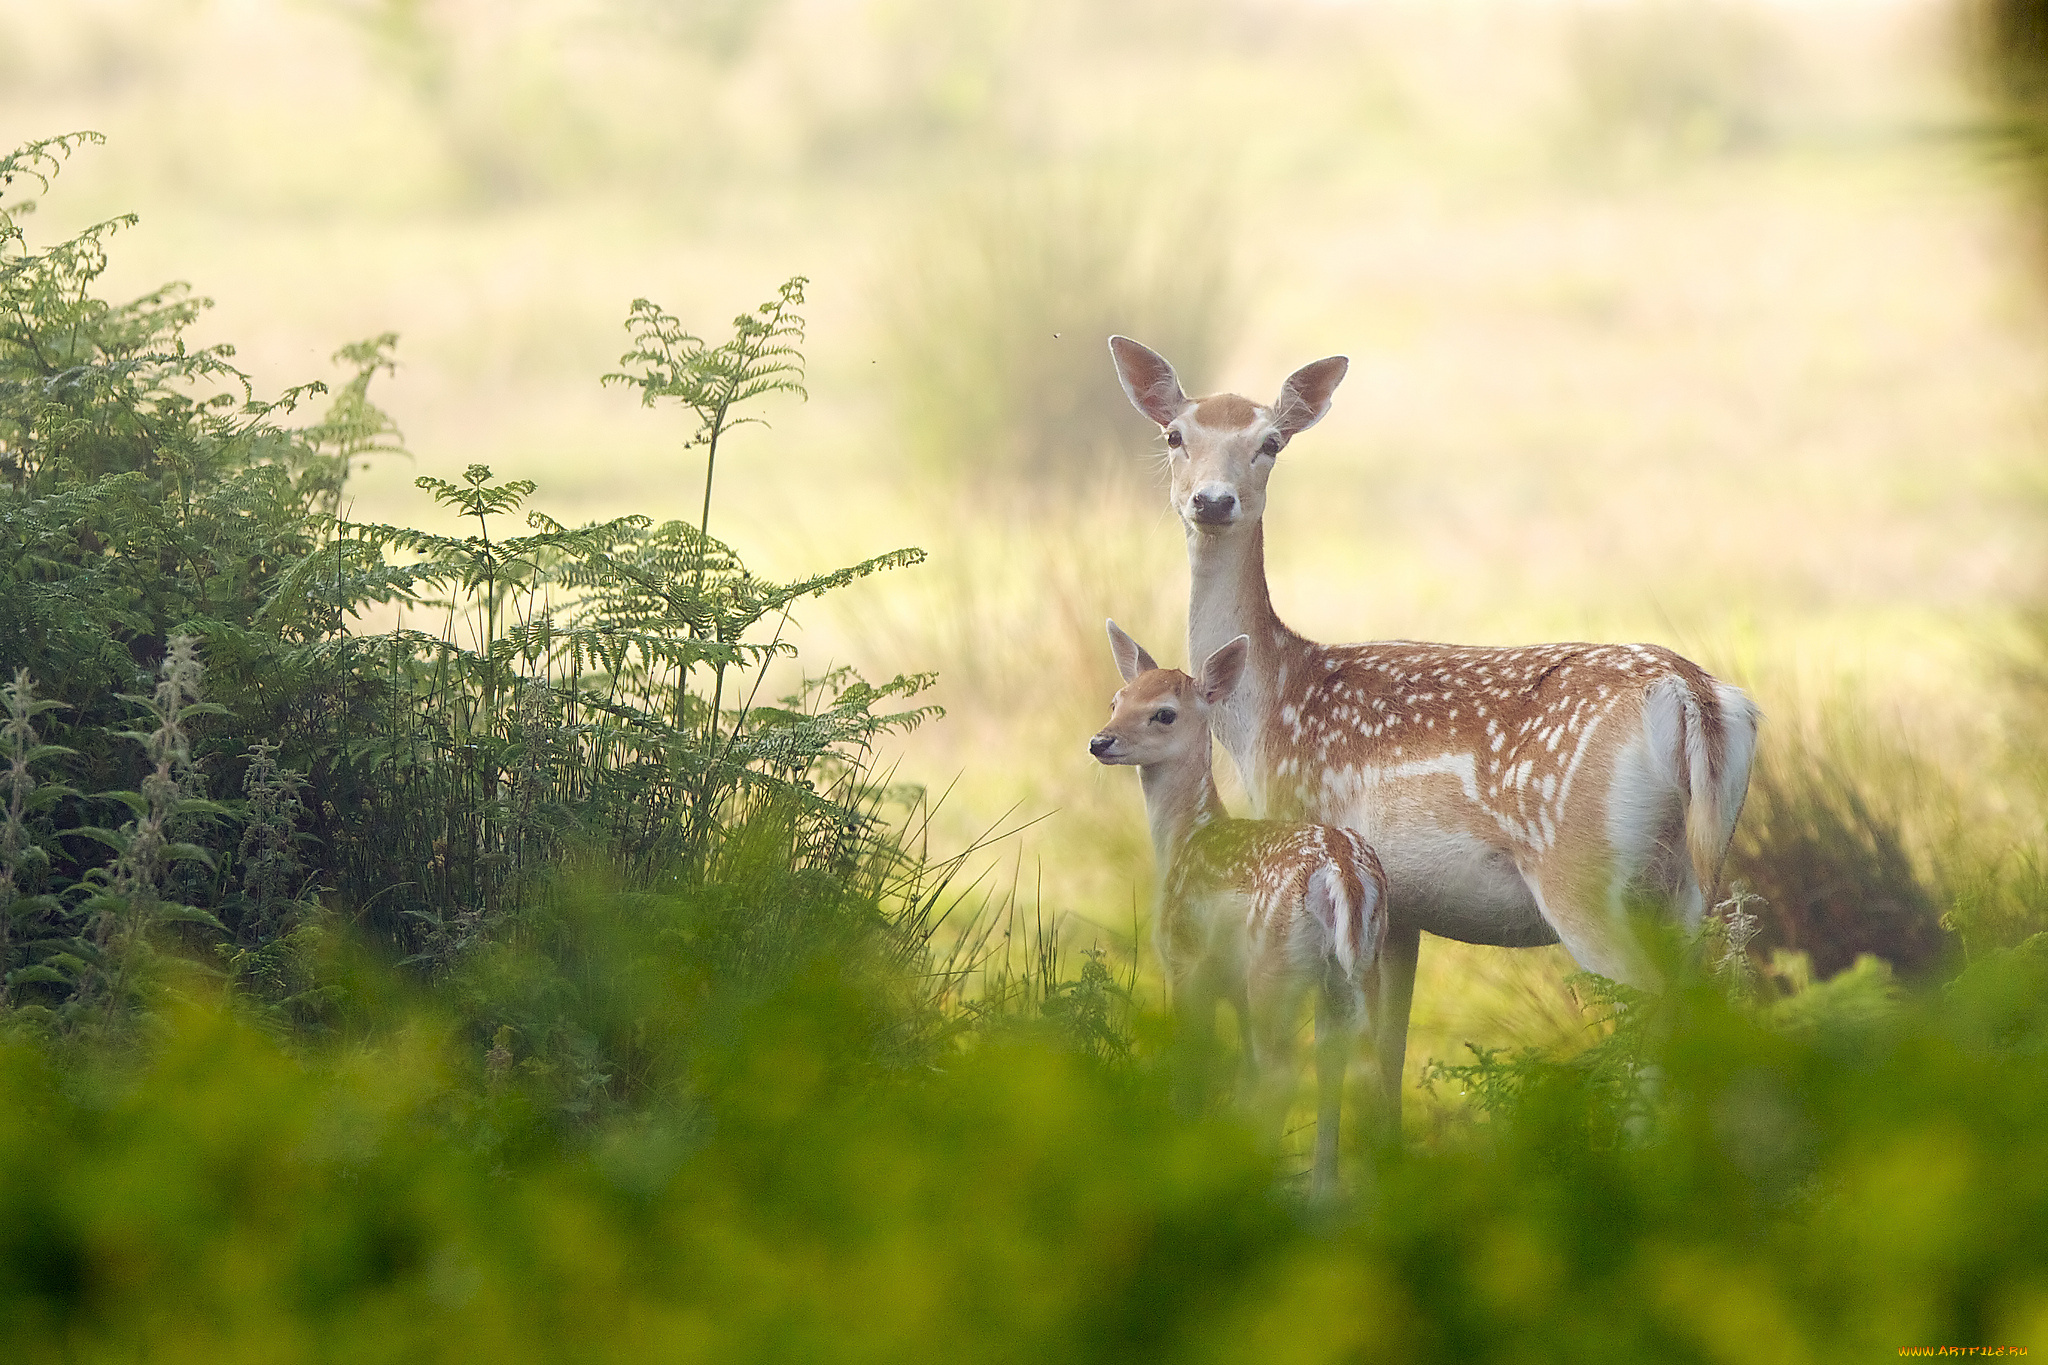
[1305,397]
[1131,658]
[1223,670]
[1149,382]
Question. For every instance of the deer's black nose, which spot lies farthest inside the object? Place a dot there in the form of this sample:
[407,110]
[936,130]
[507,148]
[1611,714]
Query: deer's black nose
[1101,745]
[1213,504]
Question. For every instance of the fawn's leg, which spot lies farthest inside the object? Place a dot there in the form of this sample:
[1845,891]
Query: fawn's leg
[1333,1057]
[1275,1005]
[1195,996]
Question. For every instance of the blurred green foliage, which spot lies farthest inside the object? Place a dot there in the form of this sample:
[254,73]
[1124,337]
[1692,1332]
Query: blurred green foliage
[1871,1175]
[2007,41]
[1663,79]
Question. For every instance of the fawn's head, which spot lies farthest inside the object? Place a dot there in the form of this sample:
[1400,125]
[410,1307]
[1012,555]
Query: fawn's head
[1161,714]
[1220,449]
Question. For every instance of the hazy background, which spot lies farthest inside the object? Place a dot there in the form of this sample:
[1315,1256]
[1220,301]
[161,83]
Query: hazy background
[1697,322]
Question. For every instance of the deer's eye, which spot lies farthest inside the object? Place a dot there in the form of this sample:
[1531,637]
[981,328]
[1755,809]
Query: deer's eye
[1173,440]
[1271,445]
[1164,716]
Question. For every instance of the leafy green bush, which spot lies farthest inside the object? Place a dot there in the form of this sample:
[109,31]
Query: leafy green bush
[594,688]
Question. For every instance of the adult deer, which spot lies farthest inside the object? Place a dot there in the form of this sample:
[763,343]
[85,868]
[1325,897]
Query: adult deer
[1516,796]
[1260,912]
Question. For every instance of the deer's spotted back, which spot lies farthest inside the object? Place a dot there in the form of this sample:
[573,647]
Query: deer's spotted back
[1512,725]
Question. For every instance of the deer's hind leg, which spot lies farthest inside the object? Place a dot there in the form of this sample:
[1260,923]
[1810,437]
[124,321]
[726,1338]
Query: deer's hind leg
[1619,859]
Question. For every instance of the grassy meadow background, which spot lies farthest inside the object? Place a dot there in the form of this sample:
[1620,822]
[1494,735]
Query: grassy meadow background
[1704,323]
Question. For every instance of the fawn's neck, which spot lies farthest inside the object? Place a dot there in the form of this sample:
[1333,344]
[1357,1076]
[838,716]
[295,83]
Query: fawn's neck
[1180,798]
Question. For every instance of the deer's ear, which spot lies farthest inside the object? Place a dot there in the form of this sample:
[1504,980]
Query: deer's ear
[1223,670]
[1305,397]
[1149,382]
[1131,658]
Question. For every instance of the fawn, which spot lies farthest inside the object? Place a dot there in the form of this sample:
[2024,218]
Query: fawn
[1255,911]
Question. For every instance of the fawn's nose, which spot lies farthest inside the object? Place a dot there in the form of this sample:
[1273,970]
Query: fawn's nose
[1101,745]
[1213,502]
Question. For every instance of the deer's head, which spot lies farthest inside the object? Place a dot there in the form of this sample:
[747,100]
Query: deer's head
[1220,449]
[1161,715]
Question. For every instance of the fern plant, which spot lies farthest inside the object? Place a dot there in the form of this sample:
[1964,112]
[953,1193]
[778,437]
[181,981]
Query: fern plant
[763,356]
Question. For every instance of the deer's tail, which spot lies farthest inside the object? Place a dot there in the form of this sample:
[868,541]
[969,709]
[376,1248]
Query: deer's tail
[1719,726]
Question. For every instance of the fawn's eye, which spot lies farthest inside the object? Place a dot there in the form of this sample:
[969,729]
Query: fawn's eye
[1173,440]
[1271,445]
[1164,716]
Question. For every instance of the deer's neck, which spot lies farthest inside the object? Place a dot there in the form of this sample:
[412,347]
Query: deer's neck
[1227,593]
[1228,598]
[1180,798]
